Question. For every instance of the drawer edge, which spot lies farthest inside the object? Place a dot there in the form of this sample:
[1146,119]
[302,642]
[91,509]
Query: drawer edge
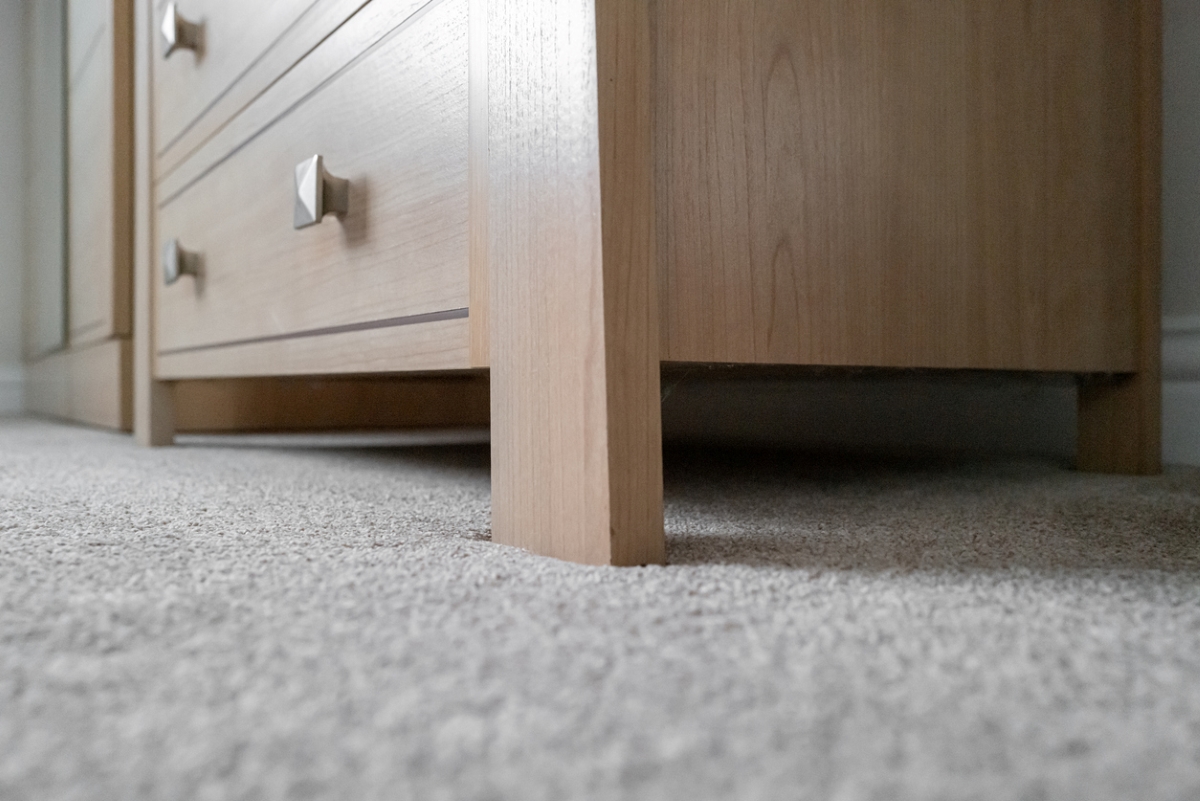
[427,347]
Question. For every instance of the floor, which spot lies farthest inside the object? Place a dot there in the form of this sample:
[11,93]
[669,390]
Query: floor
[217,621]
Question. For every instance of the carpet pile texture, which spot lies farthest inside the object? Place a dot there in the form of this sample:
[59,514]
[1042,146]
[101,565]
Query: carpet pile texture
[223,622]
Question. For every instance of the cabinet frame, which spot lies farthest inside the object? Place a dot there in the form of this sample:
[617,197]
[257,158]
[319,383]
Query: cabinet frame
[565,304]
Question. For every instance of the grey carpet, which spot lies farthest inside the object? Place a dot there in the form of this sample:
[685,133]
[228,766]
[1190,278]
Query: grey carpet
[233,623]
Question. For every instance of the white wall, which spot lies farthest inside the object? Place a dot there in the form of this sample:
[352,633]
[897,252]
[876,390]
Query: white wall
[12,216]
[1181,231]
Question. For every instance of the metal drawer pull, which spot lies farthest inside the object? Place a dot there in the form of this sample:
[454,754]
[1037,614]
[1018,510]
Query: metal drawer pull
[178,262]
[318,193]
[179,33]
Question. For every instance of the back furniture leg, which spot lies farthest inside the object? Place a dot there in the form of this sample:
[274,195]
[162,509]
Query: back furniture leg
[1120,419]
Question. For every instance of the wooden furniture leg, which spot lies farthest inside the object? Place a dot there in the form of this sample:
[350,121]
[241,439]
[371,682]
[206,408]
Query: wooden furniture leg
[576,425]
[1120,420]
[153,401]
[1120,425]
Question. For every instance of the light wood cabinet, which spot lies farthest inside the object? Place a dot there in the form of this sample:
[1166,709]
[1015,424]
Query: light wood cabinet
[81,264]
[398,259]
[560,196]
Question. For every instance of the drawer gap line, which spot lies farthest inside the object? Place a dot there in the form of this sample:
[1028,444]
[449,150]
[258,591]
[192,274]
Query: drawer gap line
[237,78]
[383,40]
[391,322]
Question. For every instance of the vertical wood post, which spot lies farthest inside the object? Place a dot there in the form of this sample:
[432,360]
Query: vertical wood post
[1120,421]
[153,401]
[576,425]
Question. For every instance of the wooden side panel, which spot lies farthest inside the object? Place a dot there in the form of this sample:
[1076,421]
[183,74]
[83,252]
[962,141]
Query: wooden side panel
[88,385]
[576,448]
[1120,420]
[306,404]
[918,183]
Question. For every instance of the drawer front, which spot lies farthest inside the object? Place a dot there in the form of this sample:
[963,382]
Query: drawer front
[245,46]
[393,123]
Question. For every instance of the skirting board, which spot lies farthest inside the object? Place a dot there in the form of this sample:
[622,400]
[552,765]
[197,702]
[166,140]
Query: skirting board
[12,390]
[1181,390]
[1181,348]
[1181,422]
[87,385]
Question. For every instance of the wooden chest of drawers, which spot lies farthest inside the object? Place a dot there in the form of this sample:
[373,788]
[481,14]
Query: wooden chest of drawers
[383,101]
[564,195]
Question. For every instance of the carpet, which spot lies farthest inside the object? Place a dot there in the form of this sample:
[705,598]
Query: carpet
[215,621]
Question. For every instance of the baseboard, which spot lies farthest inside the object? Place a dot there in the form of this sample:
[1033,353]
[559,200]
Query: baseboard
[1181,348]
[1181,390]
[1181,422]
[12,390]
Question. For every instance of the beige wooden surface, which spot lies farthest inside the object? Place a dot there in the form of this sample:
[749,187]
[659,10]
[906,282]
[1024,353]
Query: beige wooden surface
[100,191]
[1120,419]
[478,169]
[395,125]
[300,404]
[89,385]
[153,400]
[284,53]
[377,21]
[576,451]
[917,183]
[45,251]
[236,36]
[410,348]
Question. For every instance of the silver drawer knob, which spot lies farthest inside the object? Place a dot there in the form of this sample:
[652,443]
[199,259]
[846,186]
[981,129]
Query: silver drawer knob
[318,193]
[179,33]
[179,262]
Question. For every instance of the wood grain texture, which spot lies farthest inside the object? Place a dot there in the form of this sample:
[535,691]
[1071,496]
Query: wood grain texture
[478,176]
[238,37]
[1120,420]
[88,385]
[288,51]
[918,183]
[307,404]
[153,400]
[394,123]
[576,443]
[412,348]
[378,20]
